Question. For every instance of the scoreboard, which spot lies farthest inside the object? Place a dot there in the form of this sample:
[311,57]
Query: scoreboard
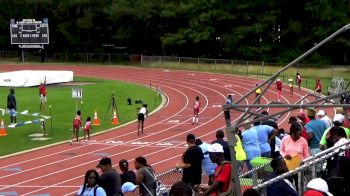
[29,31]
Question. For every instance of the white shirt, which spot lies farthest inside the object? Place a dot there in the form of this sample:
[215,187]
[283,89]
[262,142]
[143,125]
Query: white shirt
[90,191]
[327,121]
[143,110]
[340,142]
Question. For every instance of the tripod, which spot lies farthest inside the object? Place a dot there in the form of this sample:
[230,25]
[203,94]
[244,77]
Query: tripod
[113,104]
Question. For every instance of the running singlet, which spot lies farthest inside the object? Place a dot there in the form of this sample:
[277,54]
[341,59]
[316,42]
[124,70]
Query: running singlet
[196,105]
[87,126]
[77,122]
[298,79]
[279,85]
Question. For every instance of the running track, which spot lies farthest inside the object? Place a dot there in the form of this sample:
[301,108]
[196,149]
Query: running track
[60,169]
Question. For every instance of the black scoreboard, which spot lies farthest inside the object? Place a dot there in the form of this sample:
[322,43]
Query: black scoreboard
[29,31]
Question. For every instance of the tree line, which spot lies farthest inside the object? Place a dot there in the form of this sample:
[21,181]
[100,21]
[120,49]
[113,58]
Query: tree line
[270,31]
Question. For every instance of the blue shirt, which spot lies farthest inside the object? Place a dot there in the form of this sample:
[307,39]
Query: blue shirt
[208,166]
[250,143]
[280,188]
[317,127]
[263,132]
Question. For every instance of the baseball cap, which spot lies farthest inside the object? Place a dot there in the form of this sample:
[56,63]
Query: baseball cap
[320,185]
[190,138]
[216,147]
[311,112]
[128,187]
[321,113]
[339,118]
[104,161]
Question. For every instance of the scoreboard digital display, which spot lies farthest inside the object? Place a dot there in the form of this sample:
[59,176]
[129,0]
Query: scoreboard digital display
[29,31]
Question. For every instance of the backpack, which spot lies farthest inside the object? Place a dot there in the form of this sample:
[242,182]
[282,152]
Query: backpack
[161,190]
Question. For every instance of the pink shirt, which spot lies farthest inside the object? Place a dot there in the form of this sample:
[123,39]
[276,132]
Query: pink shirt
[299,147]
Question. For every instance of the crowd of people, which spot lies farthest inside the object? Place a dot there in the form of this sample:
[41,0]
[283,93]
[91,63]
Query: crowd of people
[308,134]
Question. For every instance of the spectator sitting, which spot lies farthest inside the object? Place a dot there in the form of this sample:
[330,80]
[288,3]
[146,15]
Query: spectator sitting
[130,189]
[220,139]
[180,189]
[126,175]
[317,187]
[282,187]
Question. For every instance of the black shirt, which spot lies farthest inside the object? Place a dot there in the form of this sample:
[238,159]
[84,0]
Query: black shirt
[11,101]
[193,174]
[129,176]
[110,182]
[224,144]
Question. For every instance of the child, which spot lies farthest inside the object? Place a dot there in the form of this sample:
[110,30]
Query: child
[196,107]
[290,84]
[298,80]
[87,128]
[279,88]
[76,126]
[257,93]
[318,86]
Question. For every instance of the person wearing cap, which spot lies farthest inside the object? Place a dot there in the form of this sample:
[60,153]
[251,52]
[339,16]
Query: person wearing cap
[337,122]
[222,176]
[91,185]
[346,122]
[110,179]
[130,189]
[126,175]
[191,162]
[208,166]
[257,93]
[279,89]
[321,114]
[317,187]
[282,187]
[314,129]
[220,139]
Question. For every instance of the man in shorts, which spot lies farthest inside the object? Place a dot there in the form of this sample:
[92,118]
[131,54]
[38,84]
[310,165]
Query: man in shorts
[12,105]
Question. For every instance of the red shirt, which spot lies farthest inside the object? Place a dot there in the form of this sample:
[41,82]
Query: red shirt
[224,176]
[318,87]
[279,85]
[77,122]
[42,90]
[298,79]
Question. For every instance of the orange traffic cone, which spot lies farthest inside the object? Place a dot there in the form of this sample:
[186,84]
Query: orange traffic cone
[115,118]
[96,120]
[2,129]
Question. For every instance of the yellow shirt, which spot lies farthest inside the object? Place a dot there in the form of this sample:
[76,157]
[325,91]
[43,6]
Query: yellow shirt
[240,153]
[258,91]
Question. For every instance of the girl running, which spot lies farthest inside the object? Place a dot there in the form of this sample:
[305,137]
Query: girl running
[318,86]
[279,88]
[196,107]
[298,80]
[87,128]
[76,127]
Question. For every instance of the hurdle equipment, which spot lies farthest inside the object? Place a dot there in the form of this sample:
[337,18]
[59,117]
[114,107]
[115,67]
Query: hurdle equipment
[2,129]
[115,118]
[96,120]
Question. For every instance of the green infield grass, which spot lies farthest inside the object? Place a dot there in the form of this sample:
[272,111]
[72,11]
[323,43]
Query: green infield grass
[96,96]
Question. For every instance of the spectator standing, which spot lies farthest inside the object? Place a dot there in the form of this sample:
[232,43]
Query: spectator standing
[321,114]
[265,135]
[220,139]
[222,176]
[290,84]
[145,177]
[191,162]
[110,179]
[208,166]
[314,129]
[91,185]
[229,99]
[337,122]
[126,175]
[12,105]
[250,144]
[298,80]
[279,89]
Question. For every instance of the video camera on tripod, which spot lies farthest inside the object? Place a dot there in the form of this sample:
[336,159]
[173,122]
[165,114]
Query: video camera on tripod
[113,104]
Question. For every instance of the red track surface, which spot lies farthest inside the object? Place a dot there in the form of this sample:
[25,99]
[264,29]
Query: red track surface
[60,169]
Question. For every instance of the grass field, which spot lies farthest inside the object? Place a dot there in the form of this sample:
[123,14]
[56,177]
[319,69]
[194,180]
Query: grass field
[96,96]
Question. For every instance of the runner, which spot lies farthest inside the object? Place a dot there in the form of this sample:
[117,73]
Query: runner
[87,128]
[279,88]
[298,80]
[76,127]
[290,84]
[141,118]
[318,86]
[257,93]
[196,107]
